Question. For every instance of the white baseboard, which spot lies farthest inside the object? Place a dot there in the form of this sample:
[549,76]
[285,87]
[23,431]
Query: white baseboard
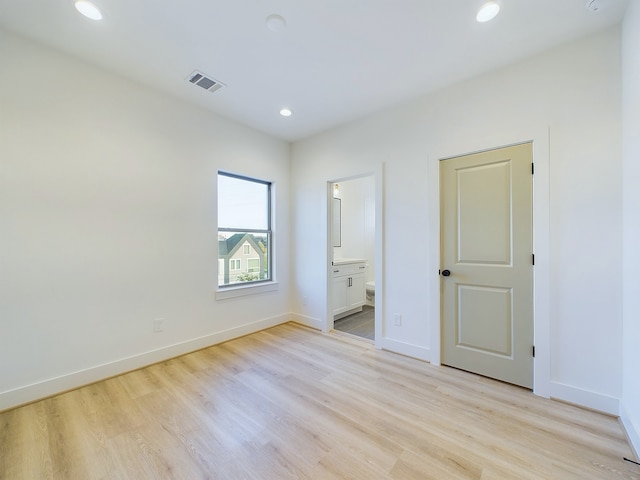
[585,398]
[52,386]
[403,348]
[306,321]
[633,433]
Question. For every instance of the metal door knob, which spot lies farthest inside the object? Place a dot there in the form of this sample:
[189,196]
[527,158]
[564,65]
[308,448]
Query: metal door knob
[446,273]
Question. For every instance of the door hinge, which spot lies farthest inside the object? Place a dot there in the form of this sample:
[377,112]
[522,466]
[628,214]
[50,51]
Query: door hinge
[533,351]
[533,168]
[533,259]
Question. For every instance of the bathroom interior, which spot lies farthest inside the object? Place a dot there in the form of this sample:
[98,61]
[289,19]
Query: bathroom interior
[353,262]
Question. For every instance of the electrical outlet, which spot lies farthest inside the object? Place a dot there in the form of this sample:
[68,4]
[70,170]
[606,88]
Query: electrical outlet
[305,300]
[397,319]
[158,325]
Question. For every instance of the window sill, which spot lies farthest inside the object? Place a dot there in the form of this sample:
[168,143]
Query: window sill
[240,291]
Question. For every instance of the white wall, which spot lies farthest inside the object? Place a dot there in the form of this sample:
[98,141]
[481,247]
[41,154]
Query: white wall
[630,410]
[357,197]
[574,92]
[108,221]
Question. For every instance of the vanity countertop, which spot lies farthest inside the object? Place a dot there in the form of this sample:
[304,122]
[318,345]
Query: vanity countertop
[345,261]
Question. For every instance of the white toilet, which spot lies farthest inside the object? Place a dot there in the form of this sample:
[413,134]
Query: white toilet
[370,288]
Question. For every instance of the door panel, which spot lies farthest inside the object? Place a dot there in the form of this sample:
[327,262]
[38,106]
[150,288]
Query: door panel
[357,292]
[487,245]
[340,295]
[484,319]
[485,225]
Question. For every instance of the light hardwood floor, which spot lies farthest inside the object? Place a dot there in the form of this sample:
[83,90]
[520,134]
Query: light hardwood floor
[293,403]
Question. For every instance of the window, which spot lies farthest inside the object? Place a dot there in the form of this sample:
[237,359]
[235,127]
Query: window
[244,228]
[253,265]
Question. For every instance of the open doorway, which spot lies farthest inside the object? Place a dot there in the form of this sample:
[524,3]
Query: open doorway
[352,285]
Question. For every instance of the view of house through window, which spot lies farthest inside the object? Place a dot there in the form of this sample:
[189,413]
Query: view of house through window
[244,230]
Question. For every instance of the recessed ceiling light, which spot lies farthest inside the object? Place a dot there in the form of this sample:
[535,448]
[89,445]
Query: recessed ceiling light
[88,9]
[488,11]
[286,112]
[276,23]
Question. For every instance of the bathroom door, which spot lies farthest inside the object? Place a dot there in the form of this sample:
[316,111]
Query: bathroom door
[487,264]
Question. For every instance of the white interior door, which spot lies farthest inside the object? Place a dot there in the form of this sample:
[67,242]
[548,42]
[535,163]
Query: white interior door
[487,263]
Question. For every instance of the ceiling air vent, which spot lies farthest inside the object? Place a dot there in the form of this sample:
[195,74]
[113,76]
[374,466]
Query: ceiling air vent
[208,83]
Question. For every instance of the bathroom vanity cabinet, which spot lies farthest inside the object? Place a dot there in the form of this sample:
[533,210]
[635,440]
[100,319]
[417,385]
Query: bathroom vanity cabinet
[348,282]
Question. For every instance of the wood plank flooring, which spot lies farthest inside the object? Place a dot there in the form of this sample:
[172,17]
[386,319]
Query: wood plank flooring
[290,402]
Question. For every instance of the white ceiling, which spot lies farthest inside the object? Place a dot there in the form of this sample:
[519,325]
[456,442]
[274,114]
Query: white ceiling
[337,60]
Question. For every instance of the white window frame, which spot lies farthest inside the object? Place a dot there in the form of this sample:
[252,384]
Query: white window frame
[269,284]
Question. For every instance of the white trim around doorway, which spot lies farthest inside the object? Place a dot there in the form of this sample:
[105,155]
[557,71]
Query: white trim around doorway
[378,175]
[539,136]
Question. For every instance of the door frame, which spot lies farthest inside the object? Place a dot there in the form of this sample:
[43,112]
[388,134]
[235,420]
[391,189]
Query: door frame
[457,146]
[377,172]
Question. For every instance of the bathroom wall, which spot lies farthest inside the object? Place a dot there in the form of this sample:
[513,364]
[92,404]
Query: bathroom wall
[358,221]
